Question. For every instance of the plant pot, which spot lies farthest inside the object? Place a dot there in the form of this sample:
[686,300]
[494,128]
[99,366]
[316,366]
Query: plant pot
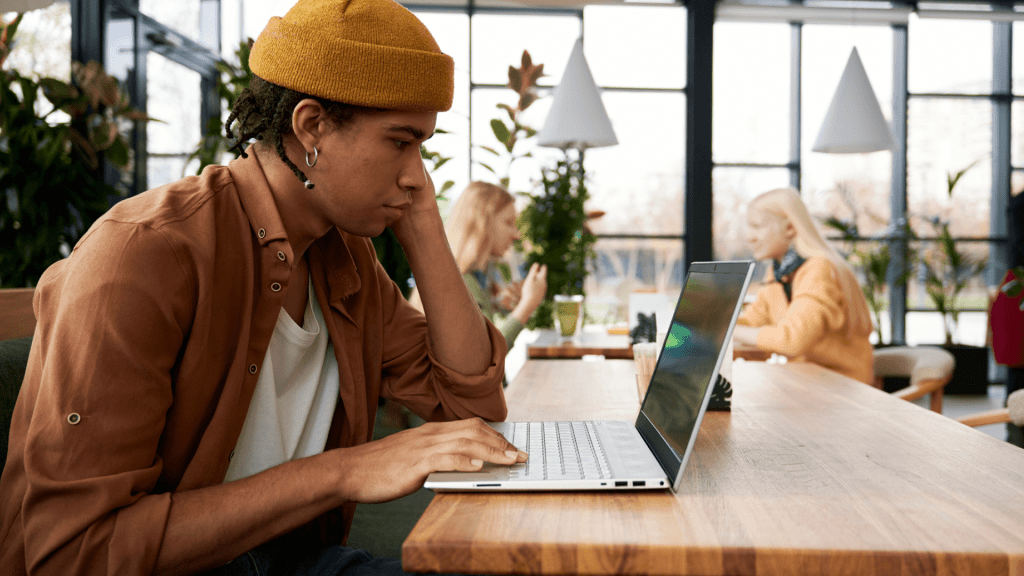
[971,373]
[568,314]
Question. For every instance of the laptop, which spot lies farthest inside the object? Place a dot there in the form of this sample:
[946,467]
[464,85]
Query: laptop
[652,452]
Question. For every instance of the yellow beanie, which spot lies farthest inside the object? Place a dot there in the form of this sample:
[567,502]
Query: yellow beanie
[372,53]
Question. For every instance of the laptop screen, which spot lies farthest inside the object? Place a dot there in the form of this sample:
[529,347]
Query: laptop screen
[690,359]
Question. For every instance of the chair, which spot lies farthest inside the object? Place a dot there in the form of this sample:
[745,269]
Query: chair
[1014,412]
[17,322]
[929,369]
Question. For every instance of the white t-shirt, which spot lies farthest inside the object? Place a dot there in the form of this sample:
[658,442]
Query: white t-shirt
[293,404]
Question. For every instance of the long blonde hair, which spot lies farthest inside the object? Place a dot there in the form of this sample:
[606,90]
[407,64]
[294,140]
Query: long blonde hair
[471,220]
[786,203]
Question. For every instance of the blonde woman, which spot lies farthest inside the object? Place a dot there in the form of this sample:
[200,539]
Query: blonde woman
[812,308]
[481,230]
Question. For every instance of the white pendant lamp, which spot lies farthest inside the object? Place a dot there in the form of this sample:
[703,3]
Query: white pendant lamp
[577,118]
[22,5]
[854,122]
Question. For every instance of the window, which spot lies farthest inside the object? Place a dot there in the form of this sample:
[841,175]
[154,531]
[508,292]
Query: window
[751,93]
[43,43]
[174,98]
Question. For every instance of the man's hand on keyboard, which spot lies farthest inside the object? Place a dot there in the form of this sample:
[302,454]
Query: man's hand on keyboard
[398,464]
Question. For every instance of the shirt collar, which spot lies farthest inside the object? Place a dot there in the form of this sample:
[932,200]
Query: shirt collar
[330,251]
[257,199]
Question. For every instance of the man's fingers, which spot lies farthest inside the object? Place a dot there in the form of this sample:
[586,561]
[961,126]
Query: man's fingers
[454,463]
[474,439]
[497,453]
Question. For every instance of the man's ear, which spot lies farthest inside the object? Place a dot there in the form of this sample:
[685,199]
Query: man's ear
[308,123]
[790,230]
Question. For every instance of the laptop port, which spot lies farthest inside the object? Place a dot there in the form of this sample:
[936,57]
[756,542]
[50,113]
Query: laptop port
[639,483]
[621,483]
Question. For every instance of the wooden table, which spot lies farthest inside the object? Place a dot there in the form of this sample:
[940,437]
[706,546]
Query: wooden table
[811,473]
[550,344]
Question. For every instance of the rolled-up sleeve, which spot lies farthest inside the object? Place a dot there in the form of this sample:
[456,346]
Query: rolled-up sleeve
[755,313]
[413,376]
[112,321]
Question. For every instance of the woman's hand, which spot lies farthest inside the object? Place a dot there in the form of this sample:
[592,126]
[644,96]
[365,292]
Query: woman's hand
[535,287]
[397,465]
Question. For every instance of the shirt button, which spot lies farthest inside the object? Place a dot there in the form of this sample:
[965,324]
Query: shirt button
[262,233]
[281,256]
[252,368]
[74,418]
[275,287]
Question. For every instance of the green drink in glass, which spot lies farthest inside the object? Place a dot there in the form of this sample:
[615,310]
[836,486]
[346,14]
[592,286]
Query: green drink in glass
[569,314]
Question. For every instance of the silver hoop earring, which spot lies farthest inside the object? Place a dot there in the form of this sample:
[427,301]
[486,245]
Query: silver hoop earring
[315,155]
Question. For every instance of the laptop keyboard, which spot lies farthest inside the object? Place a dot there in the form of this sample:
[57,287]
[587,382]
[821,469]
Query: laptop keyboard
[558,451]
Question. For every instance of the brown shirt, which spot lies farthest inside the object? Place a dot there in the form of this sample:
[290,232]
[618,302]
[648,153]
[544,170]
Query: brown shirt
[814,325]
[149,342]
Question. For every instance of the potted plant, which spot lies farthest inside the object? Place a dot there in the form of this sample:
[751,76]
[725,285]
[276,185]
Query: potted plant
[947,270]
[554,224]
[523,81]
[54,137]
[873,264]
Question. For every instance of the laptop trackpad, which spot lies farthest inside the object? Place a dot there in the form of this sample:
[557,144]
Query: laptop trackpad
[489,473]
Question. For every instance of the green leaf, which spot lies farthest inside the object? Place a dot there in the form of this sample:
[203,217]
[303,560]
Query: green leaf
[244,48]
[446,186]
[12,28]
[501,132]
[58,92]
[29,92]
[508,109]
[117,153]
[491,150]
[952,179]
[488,168]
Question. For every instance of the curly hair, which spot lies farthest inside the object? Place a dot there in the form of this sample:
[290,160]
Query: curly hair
[263,111]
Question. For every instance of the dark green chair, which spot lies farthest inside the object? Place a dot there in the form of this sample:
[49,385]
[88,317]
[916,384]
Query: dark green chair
[13,360]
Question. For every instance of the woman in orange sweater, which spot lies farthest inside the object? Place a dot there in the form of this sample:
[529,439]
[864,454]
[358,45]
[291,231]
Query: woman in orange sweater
[812,307]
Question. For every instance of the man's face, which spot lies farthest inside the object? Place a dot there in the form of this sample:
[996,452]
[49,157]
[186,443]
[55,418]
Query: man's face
[370,169]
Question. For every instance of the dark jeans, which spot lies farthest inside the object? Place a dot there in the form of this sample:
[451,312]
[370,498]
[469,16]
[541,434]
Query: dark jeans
[279,559]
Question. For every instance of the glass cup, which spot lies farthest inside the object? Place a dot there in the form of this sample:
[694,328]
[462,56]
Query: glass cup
[569,314]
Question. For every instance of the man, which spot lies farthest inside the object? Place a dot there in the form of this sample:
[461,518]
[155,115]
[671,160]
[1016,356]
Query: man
[208,360]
